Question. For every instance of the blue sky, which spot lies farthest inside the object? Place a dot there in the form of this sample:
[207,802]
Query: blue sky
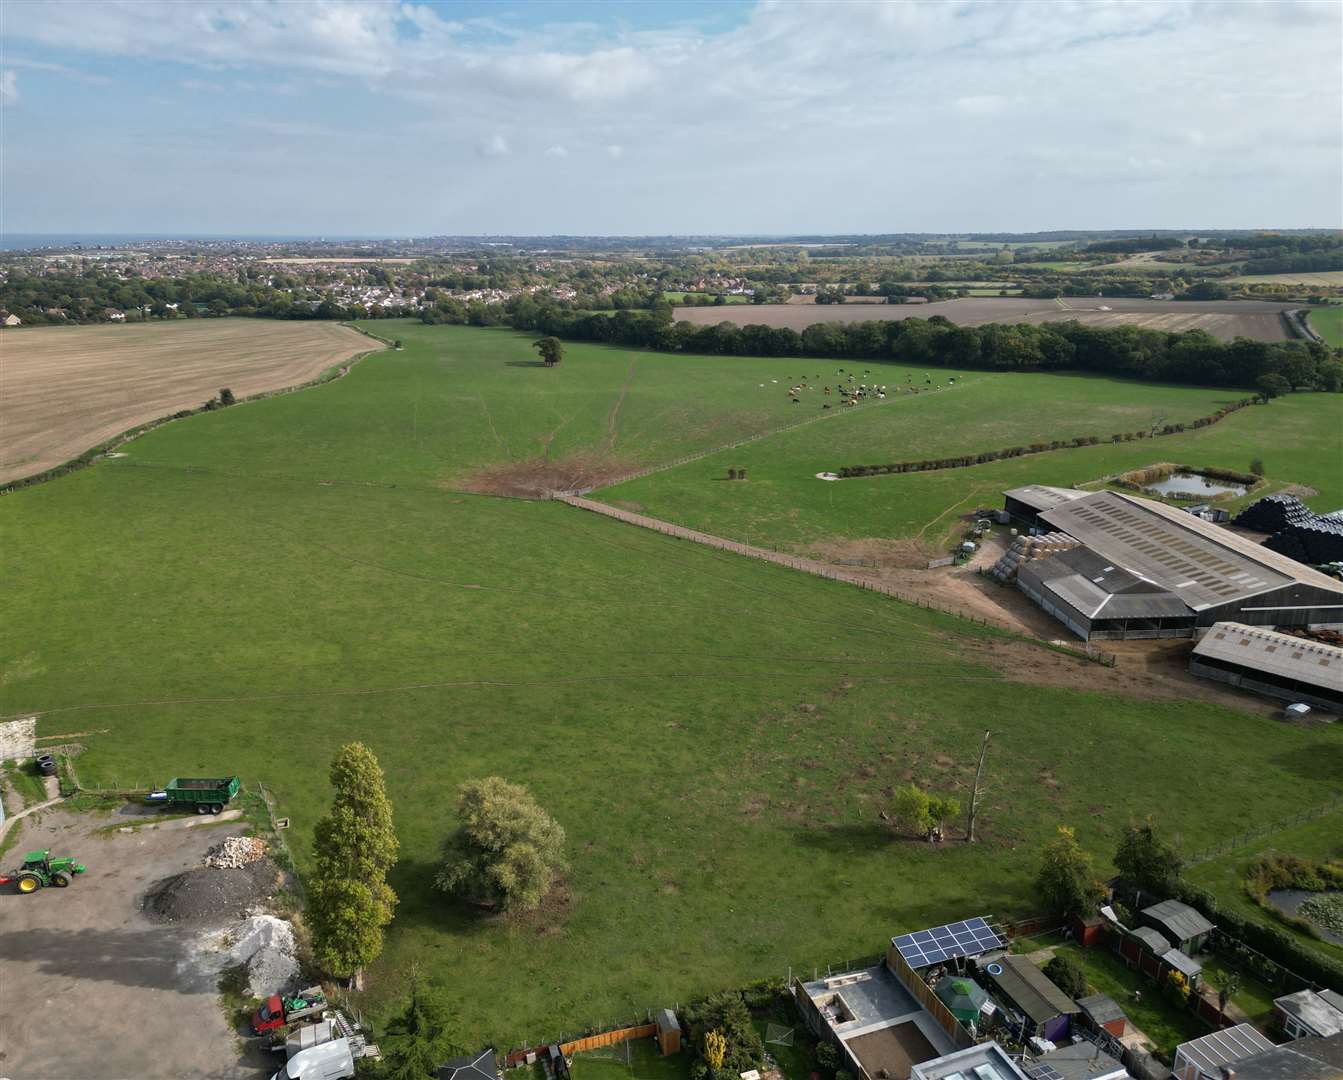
[368,118]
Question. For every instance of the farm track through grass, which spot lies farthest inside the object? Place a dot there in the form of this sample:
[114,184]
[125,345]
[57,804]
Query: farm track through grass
[252,588]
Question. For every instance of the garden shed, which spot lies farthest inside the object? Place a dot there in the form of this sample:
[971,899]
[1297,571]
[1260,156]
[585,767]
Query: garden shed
[479,1066]
[1047,1010]
[964,997]
[1186,928]
[1103,1013]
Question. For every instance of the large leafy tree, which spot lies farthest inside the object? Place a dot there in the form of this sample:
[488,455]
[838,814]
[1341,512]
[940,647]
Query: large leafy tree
[1067,881]
[349,900]
[723,1036]
[507,851]
[551,350]
[1146,860]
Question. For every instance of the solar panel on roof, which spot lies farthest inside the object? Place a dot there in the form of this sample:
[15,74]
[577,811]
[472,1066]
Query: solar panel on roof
[924,948]
[1042,1070]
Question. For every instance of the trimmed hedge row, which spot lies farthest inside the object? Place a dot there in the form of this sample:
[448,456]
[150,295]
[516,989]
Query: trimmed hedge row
[962,461]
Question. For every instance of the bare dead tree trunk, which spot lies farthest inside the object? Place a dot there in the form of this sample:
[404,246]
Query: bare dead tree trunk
[975,791]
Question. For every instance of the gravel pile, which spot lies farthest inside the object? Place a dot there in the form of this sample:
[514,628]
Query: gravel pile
[208,894]
[236,852]
[266,945]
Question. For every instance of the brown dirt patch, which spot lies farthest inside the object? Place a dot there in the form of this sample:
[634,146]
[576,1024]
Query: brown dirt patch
[909,554]
[71,388]
[537,478]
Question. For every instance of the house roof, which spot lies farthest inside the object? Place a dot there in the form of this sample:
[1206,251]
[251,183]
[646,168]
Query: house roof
[1206,565]
[1177,919]
[1082,1061]
[1315,1011]
[1102,1008]
[1329,1050]
[1277,654]
[1224,1047]
[1030,990]
[479,1066]
[1152,939]
[1284,1063]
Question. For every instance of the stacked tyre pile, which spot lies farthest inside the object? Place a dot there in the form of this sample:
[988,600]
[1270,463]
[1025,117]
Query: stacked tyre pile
[1297,531]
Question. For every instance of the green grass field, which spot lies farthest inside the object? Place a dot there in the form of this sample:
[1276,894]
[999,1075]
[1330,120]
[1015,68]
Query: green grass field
[1328,323]
[248,589]
[1300,439]
[676,297]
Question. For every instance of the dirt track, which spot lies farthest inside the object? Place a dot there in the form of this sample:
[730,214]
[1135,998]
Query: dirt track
[1225,319]
[66,389]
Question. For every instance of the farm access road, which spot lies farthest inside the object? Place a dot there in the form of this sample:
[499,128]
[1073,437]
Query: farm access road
[89,986]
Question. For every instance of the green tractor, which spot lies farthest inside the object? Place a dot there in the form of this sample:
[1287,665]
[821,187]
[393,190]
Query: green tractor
[39,869]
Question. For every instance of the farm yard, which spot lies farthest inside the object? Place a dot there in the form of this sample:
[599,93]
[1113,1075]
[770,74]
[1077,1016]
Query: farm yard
[1226,319]
[250,588]
[67,389]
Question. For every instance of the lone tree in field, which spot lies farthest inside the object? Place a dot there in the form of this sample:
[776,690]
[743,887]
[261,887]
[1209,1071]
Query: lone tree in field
[507,851]
[921,812]
[226,397]
[1146,860]
[1271,386]
[349,900]
[1067,882]
[551,350]
[418,1041]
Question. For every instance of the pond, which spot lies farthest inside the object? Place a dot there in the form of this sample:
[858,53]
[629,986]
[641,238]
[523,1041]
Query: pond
[1289,902]
[1192,483]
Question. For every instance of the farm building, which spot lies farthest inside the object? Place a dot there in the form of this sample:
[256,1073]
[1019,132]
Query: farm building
[1179,923]
[1022,986]
[1155,571]
[1205,1058]
[1025,504]
[1279,665]
[1308,1013]
[1096,599]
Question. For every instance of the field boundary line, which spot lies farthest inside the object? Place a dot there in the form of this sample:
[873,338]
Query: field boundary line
[797,562]
[97,452]
[698,455]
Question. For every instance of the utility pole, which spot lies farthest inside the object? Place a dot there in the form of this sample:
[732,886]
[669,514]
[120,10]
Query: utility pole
[975,791]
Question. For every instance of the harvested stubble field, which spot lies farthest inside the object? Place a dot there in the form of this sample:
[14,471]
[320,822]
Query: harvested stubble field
[250,588]
[1326,279]
[66,389]
[1226,319]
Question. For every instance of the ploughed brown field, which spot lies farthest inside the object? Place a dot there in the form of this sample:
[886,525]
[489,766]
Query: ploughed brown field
[1225,319]
[65,389]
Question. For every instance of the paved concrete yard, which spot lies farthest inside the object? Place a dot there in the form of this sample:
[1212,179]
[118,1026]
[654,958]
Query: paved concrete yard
[90,989]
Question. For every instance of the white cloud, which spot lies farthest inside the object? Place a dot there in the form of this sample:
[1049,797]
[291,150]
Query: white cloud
[9,87]
[955,114]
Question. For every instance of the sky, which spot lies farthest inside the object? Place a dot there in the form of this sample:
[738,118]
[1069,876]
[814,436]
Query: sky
[399,119]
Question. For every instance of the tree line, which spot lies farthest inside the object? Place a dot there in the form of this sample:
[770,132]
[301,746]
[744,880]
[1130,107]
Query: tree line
[1191,356]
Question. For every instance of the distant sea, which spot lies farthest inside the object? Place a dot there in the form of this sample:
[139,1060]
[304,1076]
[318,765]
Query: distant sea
[23,241]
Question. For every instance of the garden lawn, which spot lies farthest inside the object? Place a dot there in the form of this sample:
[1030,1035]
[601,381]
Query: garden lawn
[1299,438]
[249,589]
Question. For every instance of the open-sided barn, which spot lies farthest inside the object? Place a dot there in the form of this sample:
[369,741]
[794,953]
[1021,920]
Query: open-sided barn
[1279,665]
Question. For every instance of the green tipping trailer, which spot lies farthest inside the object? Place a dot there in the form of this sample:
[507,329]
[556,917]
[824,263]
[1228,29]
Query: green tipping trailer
[206,795]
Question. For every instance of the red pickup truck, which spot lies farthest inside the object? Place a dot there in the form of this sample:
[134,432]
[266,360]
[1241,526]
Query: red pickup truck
[280,1010]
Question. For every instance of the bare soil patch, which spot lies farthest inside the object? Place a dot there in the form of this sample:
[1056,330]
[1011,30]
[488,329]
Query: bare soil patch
[1225,319]
[66,389]
[538,478]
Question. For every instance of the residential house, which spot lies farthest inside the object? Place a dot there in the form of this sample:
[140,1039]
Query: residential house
[12,320]
[1081,1061]
[1308,1013]
[985,1060]
[113,315]
[479,1066]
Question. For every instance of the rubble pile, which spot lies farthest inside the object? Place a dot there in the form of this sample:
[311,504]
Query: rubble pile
[236,852]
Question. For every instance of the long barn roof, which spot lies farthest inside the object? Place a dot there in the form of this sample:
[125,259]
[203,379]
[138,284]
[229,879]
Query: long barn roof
[1279,654]
[1204,564]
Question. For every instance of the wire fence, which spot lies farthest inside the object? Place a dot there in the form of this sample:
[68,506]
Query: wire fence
[1242,839]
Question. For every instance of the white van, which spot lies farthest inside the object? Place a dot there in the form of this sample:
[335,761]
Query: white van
[328,1061]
